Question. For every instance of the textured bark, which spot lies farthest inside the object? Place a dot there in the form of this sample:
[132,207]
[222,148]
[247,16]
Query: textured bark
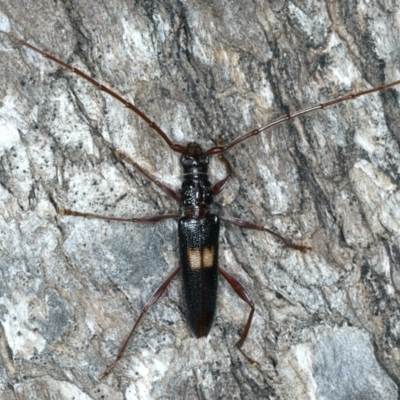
[326,323]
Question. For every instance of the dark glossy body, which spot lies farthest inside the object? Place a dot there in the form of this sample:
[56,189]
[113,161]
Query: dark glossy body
[198,247]
[198,242]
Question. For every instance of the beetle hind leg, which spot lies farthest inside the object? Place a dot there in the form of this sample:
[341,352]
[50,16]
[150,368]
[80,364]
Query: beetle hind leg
[241,292]
[153,299]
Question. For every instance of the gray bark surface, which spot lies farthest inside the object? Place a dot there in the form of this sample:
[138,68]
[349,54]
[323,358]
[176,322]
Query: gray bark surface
[327,323]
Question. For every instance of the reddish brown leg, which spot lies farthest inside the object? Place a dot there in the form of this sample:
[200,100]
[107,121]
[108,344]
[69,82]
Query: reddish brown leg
[249,225]
[151,219]
[156,294]
[153,299]
[164,188]
[219,186]
[241,292]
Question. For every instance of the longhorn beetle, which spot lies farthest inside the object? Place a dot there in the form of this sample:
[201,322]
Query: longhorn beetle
[198,228]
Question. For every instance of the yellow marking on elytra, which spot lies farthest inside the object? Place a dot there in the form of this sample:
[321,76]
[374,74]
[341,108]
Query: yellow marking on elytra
[194,258]
[198,259]
[208,256]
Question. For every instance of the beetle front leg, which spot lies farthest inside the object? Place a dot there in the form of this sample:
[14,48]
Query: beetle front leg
[167,190]
[220,185]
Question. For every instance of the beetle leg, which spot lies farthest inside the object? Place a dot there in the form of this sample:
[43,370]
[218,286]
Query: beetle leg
[241,292]
[150,219]
[249,225]
[167,190]
[219,186]
[153,299]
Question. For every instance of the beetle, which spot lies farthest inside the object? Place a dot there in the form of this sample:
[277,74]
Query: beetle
[198,227]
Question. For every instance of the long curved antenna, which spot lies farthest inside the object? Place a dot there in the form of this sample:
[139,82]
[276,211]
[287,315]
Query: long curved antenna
[215,149]
[174,146]
[255,132]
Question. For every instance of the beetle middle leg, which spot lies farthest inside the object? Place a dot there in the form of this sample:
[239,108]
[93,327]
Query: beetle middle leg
[150,219]
[249,225]
[219,186]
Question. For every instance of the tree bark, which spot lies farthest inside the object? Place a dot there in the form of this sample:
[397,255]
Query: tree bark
[326,324]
